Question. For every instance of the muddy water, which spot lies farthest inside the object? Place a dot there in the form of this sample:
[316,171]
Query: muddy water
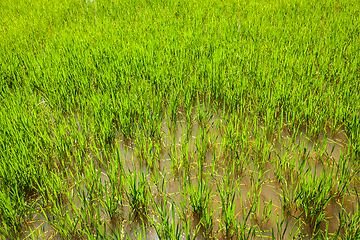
[254,181]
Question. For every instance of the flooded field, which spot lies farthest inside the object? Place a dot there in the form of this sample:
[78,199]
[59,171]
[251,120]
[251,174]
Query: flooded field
[179,119]
[199,179]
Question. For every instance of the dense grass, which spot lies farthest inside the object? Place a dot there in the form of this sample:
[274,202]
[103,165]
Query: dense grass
[179,119]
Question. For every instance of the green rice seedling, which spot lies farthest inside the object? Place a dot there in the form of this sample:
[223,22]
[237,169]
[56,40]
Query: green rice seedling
[215,162]
[188,107]
[269,122]
[140,234]
[147,150]
[60,219]
[173,110]
[314,195]
[238,157]
[112,202]
[88,213]
[293,128]
[349,222]
[83,206]
[289,185]
[316,126]
[207,222]
[280,126]
[159,179]
[105,131]
[154,119]
[352,129]
[344,176]
[199,196]
[232,133]
[289,198]
[118,233]
[143,148]
[126,115]
[187,133]
[261,150]
[164,221]
[92,177]
[213,135]
[266,214]
[37,233]
[100,233]
[64,148]
[244,231]
[53,190]
[326,234]
[137,194]
[204,221]
[22,172]
[256,179]
[183,210]
[282,226]
[228,204]
[254,196]
[156,154]
[202,146]
[14,212]
[186,154]
[285,167]
[260,147]
[175,157]
[245,140]
[322,149]
[203,113]
[189,235]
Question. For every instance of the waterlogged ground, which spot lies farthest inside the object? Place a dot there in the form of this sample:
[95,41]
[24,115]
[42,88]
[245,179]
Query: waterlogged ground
[265,177]
[179,119]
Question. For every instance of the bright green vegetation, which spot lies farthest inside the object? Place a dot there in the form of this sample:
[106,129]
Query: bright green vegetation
[179,119]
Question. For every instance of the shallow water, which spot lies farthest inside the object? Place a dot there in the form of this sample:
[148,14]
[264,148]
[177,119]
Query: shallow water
[210,156]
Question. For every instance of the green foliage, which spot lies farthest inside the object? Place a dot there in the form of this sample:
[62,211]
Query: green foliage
[108,105]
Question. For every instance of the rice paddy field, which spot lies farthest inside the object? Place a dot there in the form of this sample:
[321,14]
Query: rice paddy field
[154,119]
